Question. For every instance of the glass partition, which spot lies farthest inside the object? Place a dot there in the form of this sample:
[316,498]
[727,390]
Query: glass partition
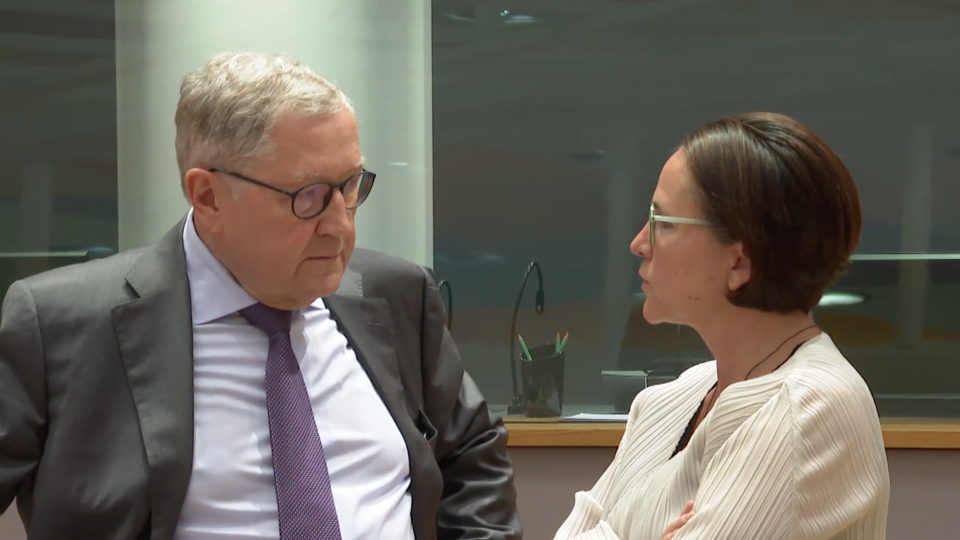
[58,145]
[552,120]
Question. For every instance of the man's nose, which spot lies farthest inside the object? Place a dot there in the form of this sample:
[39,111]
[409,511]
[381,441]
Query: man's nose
[335,219]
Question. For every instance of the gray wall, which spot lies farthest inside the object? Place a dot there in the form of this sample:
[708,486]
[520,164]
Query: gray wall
[926,490]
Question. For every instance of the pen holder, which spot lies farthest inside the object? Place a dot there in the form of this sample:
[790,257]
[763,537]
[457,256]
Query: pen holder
[542,380]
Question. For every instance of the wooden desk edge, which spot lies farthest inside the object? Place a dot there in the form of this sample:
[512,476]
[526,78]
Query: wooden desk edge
[899,433]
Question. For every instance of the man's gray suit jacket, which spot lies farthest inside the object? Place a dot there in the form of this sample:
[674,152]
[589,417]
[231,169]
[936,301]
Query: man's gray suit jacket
[96,398]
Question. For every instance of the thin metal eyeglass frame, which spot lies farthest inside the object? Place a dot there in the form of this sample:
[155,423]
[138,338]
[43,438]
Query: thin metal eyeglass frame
[654,218]
[370,175]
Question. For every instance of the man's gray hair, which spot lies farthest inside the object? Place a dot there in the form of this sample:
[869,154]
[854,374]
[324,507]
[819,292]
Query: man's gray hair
[228,108]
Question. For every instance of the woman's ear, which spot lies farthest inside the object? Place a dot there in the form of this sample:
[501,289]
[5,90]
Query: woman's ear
[739,273]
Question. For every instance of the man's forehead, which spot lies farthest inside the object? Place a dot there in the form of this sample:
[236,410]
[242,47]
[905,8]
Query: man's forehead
[331,173]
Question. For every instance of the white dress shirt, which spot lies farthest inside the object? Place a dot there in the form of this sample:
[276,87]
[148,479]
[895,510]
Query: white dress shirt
[232,492]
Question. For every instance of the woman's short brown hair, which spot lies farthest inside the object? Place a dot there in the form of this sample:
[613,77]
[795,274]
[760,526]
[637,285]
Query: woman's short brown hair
[767,181]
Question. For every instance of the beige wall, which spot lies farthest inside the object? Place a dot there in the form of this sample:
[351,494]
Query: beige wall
[926,491]
[10,528]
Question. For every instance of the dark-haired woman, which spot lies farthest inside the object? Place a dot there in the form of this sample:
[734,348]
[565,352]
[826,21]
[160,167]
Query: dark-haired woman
[778,438]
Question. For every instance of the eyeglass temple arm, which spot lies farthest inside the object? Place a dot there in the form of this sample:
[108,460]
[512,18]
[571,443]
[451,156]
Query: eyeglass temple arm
[687,221]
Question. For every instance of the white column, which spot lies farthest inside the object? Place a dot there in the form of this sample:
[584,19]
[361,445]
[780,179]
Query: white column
[623,196]
[914,276]
[377,52]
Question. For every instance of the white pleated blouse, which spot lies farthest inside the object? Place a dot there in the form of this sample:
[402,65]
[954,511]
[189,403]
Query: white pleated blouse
[794,455]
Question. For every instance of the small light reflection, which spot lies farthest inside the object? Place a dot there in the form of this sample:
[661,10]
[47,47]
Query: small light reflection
[840,299]
[506,17]
[518,18]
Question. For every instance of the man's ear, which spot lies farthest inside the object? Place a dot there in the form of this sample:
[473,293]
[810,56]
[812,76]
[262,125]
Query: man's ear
[739,273]
[205,193]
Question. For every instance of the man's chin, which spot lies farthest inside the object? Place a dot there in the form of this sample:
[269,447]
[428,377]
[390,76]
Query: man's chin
[327,284]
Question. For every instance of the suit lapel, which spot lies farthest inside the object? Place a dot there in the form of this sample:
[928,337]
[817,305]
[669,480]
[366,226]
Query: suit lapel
[367,325]
[155,335]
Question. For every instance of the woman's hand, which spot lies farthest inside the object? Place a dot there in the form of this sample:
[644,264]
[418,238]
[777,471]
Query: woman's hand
[680,522]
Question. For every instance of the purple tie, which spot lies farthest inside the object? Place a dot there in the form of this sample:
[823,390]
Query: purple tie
[304,497]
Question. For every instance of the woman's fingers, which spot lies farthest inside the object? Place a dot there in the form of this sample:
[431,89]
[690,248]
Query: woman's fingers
[679,522]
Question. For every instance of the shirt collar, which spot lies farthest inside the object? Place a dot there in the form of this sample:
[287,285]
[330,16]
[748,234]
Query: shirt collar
[214,293]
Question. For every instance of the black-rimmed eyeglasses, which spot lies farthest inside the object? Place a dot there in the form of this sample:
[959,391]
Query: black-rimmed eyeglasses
[313,198]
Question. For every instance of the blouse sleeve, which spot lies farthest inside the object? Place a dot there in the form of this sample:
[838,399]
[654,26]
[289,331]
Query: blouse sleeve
[808,465]
[585,521]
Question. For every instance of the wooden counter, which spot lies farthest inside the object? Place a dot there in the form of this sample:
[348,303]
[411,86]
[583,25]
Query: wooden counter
[898,433]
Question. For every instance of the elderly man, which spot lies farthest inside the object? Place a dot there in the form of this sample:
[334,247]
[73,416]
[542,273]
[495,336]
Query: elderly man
[239,379]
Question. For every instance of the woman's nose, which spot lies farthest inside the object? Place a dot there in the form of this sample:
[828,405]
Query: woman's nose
[640,246]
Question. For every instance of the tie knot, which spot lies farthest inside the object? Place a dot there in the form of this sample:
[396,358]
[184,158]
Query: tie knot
[271,321]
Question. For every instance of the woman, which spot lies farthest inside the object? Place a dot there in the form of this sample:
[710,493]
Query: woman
[752,219]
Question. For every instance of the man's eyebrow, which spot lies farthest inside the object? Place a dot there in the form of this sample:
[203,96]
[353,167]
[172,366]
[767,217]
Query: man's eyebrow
[308,176]
[317,176]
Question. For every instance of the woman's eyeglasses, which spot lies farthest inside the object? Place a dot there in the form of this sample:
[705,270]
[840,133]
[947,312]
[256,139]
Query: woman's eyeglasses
[654,218]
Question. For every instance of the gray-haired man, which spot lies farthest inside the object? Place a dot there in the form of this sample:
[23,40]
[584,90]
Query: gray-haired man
[238,379]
